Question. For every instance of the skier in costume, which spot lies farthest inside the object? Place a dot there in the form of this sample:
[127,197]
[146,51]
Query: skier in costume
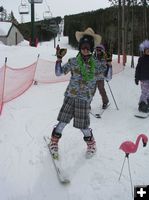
[142,75]
[79,92]
[102,57]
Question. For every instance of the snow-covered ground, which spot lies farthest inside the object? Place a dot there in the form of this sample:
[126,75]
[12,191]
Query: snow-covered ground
[26,169]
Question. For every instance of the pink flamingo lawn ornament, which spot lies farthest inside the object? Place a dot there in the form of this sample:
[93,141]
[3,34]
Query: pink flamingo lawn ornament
[130,147]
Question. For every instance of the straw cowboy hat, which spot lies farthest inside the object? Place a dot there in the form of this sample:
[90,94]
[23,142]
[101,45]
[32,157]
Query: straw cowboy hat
[88,31]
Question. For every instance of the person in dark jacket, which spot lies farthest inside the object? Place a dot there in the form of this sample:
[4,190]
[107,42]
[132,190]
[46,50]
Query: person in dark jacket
[142,76]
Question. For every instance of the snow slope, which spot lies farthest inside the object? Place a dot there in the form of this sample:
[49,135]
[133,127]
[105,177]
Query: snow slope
[26,169]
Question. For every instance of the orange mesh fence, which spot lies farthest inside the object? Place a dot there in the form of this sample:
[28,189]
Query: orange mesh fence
[116,67]
[45,73]
[14,82]
[17,81]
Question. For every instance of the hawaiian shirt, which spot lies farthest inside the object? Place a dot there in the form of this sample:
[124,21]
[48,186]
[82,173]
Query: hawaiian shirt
[100,74]
[78,87]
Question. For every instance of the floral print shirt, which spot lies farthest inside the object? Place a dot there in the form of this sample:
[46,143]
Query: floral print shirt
[77,87]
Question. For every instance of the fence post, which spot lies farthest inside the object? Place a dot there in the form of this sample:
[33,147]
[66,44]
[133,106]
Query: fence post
[35,81]
[3,88]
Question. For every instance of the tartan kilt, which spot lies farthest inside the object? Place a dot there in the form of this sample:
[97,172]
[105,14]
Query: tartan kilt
[77,109]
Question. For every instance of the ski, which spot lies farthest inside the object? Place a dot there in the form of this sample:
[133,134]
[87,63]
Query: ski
[95,115]
[141,115]
[98,115]
[62,177]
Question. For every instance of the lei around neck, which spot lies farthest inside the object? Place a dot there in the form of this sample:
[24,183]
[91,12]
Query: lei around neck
[87,74]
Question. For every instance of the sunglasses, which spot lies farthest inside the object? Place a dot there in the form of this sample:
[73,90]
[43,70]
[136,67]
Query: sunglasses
[87,47]
[98,49]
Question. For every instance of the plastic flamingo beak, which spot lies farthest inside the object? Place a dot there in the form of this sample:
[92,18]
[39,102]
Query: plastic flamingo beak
[144,144]
[144,140]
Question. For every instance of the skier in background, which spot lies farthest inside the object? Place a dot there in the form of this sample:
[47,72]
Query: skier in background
[142,76]
[79,92]
[57,49]
[106,58]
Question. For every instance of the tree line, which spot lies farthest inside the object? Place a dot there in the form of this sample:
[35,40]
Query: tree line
[123,26]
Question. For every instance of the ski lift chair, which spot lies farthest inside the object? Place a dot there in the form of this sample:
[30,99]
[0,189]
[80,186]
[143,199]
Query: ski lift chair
[47,15]
[35,1]
[23,9]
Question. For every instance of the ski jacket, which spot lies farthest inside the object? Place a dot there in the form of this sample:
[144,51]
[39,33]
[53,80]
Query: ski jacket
[101,62]
[108,68]
[78,87]
[142,68]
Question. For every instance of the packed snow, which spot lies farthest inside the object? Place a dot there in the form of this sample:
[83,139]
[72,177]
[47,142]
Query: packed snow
[26,168]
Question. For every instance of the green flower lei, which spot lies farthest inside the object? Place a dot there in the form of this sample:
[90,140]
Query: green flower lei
[86,74]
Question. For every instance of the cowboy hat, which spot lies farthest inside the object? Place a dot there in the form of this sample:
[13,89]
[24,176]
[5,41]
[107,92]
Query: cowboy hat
[88,31]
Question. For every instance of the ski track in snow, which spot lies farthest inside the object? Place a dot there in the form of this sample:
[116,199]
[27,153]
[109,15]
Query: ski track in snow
[26,168]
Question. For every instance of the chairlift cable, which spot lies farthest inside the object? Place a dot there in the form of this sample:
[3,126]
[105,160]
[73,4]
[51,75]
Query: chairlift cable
[48,7]
[47,13]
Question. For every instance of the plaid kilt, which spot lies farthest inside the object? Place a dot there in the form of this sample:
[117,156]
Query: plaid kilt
[75,108]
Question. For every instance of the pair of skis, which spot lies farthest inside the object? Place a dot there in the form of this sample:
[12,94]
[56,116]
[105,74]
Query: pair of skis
[62,176]
[138,114]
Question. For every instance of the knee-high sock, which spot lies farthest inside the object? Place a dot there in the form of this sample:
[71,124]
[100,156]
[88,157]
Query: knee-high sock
[60,126]
[87,132]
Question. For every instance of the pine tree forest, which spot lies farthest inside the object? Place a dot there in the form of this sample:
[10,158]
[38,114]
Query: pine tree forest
[123,26]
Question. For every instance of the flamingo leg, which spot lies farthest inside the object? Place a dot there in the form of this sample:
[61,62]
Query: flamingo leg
[130,176]
[122,167]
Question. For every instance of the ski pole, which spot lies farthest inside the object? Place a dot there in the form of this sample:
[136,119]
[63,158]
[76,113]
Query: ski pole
[112,95]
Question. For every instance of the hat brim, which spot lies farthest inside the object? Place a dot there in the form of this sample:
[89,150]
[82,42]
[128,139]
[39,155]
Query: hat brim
[97,38]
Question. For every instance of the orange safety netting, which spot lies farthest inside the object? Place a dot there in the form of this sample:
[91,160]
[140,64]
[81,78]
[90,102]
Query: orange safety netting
[17,81]
[45,73]
[14,82]
[117,67]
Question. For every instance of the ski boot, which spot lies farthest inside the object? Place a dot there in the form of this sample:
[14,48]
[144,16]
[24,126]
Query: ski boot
[143,107]
[105,105]
[53,145]
[91,146]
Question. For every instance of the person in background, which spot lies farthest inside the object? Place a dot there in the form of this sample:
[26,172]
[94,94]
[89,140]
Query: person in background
[79,92]
[57,49]
[142,76]
[102,57]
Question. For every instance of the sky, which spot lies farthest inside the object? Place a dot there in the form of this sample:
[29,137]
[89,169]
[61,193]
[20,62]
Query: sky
[26,168]
[57,7]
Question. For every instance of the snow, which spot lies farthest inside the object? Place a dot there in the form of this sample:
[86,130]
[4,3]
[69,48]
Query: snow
[4,28]
[26,169]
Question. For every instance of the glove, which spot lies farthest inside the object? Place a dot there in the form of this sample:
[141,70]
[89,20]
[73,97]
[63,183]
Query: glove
[136,81]
[61,53]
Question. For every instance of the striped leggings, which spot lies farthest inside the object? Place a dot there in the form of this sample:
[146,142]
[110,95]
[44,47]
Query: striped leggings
[144,91]
[61,125]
